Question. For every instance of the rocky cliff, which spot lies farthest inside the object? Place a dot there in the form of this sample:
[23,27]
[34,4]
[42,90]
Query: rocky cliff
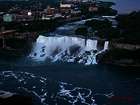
[121,54]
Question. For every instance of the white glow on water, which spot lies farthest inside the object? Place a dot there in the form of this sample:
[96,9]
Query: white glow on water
[38,88]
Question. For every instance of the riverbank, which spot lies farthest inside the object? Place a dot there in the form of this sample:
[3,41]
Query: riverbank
[16,44]
[121,54]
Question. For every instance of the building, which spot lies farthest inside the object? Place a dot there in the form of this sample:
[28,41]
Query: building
[50,10]
[23,17]
[93,9]
[49,13]
[8,18]
[65,8]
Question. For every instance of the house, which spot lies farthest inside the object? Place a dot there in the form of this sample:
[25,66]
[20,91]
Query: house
[8,18]
[65,8]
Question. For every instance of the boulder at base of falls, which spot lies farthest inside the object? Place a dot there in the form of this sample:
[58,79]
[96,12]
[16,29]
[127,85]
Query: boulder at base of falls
[8,98]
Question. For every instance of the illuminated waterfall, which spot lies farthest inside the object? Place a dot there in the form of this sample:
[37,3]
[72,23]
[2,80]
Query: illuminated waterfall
[106,44]
[66,49]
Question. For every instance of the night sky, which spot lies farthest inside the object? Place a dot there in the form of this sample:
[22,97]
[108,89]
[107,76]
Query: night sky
[125,6]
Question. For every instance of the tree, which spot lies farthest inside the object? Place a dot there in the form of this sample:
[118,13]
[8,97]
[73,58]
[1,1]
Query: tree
[81,31]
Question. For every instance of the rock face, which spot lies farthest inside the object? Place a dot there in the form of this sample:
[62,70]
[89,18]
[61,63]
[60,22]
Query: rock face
[67,49]
[7,98]
[121,54]
[124,46]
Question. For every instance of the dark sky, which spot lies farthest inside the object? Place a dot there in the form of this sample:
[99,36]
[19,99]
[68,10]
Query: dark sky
[125,6]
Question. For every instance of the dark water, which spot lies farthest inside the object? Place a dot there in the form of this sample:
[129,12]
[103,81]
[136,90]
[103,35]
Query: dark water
[110,85]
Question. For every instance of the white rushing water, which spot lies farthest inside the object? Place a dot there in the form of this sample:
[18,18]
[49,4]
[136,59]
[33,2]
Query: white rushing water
[106,45]
[66,49]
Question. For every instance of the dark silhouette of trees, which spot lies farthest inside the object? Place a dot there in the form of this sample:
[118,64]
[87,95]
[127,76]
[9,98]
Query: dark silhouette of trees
[81,31]
[103,28]
[130,27]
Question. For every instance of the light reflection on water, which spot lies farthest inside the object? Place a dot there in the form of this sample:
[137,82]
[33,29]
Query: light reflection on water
[76,84]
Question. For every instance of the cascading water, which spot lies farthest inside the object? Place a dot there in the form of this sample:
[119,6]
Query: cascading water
[66,49]
[106,45]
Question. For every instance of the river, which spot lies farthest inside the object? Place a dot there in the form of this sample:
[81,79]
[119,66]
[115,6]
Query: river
[59,82]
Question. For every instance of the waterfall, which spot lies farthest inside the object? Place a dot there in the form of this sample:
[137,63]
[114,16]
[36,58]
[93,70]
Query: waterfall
[106,45]
[66,49]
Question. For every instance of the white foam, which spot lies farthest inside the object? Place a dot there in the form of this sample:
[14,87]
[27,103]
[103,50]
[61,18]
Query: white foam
[65,48]
[106,45]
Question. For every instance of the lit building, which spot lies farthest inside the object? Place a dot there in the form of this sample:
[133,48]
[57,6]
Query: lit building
[29,13]
[65,8]
[49,13]
[8,18]
[23,17]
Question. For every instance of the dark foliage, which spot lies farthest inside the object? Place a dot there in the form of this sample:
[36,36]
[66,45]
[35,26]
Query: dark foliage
[81,31]
[98,24]
[32,26]
[104,28]
[130,27]
[127,31]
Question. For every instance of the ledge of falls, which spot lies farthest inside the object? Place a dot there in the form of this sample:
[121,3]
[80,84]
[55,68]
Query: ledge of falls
[66,49]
